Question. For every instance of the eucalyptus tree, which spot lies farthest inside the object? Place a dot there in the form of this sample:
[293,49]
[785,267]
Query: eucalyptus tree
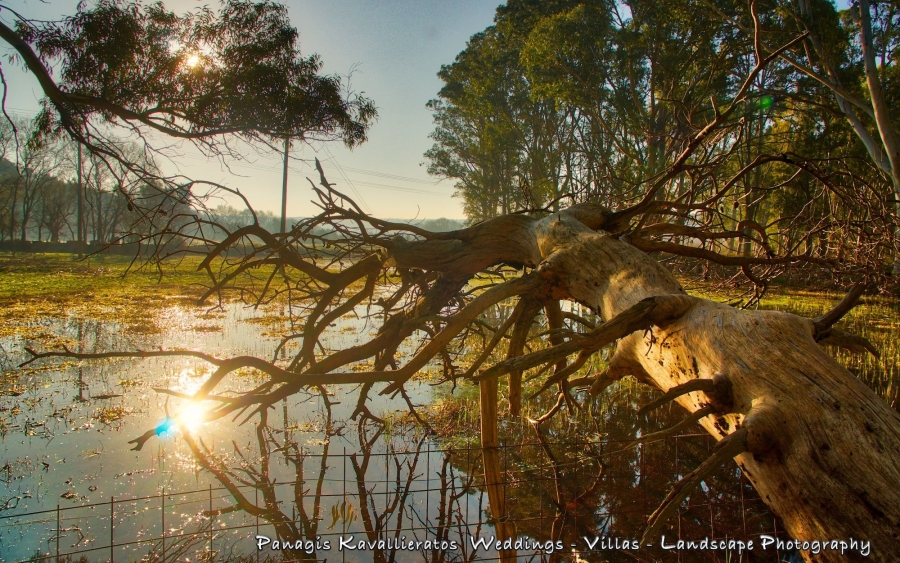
[503,145]
[475,138]
[204,76]
[56,210]
[853,54]
[844,69]
[630,67]
[36,159]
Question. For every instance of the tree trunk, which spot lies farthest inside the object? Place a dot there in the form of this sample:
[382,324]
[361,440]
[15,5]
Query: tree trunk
[822,448]
[26,213]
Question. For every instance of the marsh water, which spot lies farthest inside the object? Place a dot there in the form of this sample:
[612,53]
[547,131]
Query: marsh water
[71,483]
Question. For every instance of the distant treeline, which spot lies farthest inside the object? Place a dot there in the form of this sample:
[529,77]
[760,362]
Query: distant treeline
[39,196]
[232,219]
[39,190]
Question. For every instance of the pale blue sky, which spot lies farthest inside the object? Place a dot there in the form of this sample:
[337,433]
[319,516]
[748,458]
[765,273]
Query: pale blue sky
[395,49]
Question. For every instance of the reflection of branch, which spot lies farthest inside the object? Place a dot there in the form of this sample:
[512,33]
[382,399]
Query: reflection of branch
[183,548]
[563,507]
[283,525]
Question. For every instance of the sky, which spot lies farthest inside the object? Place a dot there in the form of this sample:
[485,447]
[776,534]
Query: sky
[392,50]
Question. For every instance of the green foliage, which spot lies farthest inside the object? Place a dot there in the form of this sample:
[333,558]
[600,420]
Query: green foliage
[594,101]
[204,73]
[577,98]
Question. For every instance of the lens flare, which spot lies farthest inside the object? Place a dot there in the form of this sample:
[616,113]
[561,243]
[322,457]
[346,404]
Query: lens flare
[165,426]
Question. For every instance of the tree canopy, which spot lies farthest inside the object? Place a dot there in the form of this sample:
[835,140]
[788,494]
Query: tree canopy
[120,73]
[199,76]
[598,101]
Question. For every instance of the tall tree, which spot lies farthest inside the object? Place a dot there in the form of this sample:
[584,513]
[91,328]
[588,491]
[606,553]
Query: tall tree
[852,53]
[57,209]
[35,159]
[501,143]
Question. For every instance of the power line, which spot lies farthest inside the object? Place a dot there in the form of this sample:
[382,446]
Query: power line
[391,176]
[349,183]
[330,163]
[401,189]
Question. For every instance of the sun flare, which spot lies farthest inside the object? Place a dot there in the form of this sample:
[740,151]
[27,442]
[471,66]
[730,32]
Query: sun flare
[193,60]
[192,417]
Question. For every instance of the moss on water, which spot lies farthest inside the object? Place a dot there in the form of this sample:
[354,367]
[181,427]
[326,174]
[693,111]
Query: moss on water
[56,276]
[876,318]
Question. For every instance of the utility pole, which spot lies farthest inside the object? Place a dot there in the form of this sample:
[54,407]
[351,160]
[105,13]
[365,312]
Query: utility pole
[80,188]
[287,146]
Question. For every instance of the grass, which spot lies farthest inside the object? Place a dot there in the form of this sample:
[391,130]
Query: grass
[58,276]
[876,318]
[34,287]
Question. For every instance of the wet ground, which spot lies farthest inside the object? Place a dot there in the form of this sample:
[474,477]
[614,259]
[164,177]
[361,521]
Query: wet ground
[310,471]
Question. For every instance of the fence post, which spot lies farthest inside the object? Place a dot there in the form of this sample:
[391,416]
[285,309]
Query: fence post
[210,524]
[112,529]
[163,512]
[296,508]
[540,481]
[58,532]
[466,487]
[345,509]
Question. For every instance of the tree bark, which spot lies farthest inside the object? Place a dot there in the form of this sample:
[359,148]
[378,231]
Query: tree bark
[819,446]
[822,448]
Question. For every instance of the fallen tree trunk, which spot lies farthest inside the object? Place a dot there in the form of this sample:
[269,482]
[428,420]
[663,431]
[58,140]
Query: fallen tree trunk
[820,447]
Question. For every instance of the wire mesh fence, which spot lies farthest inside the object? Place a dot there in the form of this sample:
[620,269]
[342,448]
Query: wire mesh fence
[582,501]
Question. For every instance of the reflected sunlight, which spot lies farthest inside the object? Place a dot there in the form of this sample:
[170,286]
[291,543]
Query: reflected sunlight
[191,418]
[188,380]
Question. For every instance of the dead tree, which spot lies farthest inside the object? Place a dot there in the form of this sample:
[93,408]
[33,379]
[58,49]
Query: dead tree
[819,446]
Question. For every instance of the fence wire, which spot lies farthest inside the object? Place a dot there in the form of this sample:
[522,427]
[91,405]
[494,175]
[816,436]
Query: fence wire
[565,501]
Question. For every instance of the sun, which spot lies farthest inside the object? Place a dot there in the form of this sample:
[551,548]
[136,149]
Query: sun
[193,60]
[191,418]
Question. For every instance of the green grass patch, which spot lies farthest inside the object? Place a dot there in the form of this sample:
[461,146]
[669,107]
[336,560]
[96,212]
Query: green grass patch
[53,276]
[34,287]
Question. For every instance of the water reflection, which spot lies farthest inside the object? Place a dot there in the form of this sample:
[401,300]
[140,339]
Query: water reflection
[380,497]
[571,479]
[308,471]
[389,487]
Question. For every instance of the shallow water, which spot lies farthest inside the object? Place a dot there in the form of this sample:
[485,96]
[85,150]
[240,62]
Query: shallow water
[66,427]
